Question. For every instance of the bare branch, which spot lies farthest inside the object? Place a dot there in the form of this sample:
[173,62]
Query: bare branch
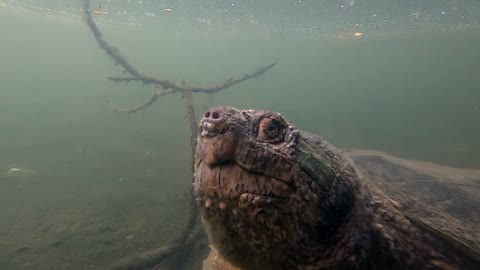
[162,87]
[119,59]
[109,50]
[182,88]
[157,93]
[228,83]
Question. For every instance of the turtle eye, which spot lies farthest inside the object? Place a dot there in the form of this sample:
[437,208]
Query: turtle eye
[269,129]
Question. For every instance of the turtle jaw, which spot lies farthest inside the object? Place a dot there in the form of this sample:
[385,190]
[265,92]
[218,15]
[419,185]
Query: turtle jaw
[240,217]
[215,147]
[229,184]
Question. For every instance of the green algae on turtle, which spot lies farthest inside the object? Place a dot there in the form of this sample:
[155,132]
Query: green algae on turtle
[275,197]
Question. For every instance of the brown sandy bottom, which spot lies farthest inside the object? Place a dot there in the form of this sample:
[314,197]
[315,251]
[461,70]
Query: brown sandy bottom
[92,213]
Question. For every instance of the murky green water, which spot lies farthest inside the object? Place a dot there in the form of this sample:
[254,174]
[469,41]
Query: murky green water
[97,186]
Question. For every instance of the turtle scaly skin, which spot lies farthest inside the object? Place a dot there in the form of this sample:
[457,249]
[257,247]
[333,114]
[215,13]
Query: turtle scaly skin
[274,197]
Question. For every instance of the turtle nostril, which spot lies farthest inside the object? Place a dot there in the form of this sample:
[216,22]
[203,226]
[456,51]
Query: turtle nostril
[214,114]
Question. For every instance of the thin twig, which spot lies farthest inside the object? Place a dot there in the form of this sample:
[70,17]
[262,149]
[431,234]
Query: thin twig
[148,102]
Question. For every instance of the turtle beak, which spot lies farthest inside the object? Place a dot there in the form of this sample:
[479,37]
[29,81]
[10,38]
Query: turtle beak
[216,142]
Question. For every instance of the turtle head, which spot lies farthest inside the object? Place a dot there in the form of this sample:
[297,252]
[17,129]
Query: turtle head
[265,187]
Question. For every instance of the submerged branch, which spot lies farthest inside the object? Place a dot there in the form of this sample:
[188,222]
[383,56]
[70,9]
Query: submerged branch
[173,87]
[183,89]
[149,101]
[109,50]
[162,257]
[209,90]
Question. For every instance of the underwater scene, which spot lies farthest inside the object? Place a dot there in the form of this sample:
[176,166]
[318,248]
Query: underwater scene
[107,108]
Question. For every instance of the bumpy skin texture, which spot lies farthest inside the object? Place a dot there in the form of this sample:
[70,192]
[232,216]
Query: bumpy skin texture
[274,197]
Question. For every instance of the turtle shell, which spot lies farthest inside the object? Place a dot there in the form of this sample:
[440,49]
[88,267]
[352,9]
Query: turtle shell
[442,200]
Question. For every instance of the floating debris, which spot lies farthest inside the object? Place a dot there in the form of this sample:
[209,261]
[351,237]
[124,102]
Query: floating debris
[14,171]
[98,12]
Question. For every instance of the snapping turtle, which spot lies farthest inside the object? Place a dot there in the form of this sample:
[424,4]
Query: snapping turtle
[275,197]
